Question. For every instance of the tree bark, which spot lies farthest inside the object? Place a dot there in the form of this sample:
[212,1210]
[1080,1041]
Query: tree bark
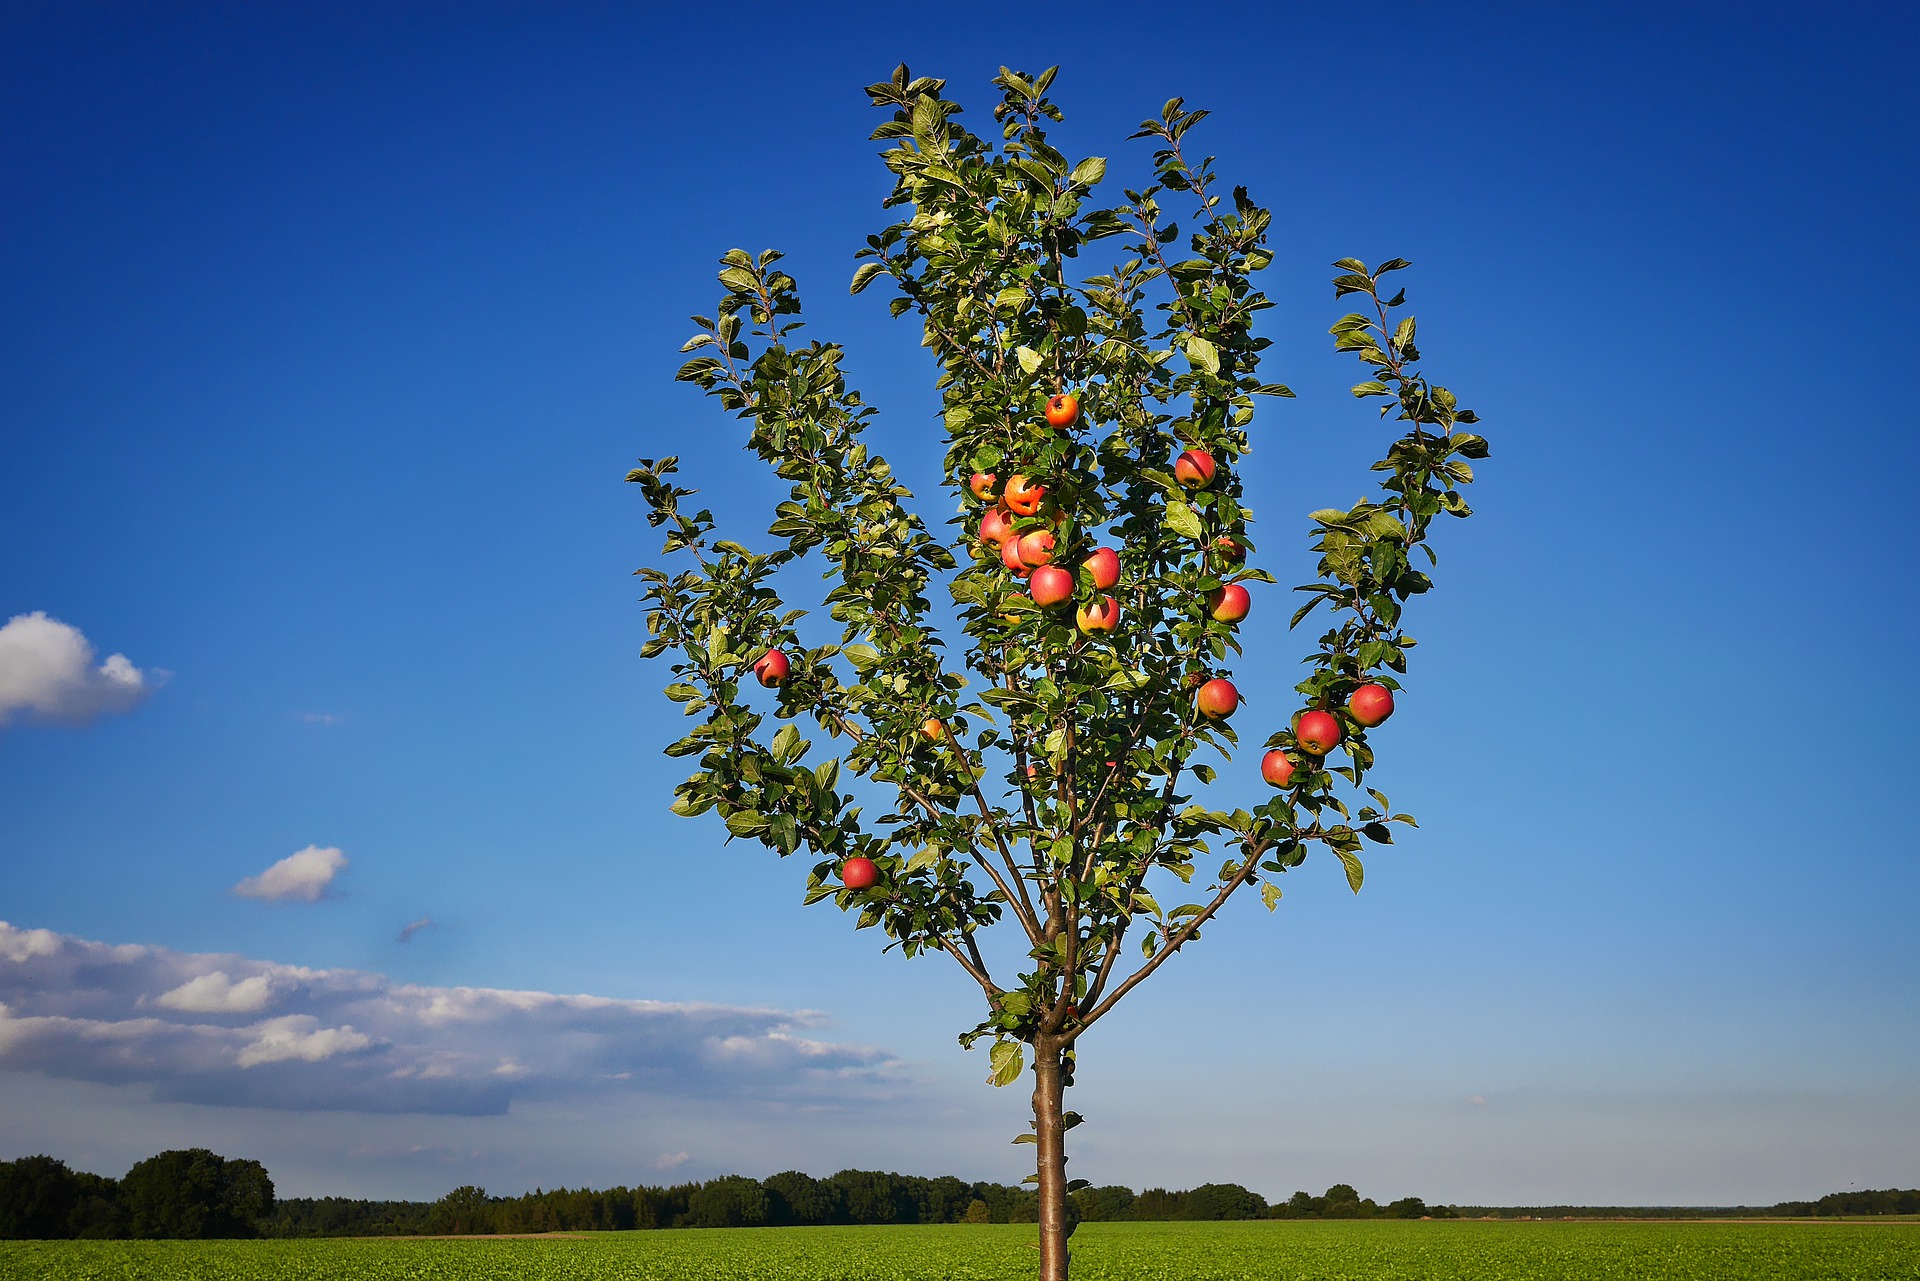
[1050,1132]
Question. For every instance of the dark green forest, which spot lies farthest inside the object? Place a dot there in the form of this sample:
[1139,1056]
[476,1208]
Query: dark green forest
[197,1194]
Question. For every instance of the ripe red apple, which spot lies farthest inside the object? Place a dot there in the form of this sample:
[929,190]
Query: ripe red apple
[1022,496]
[859,873]
[1036,547]
[1317,732]
[771,668]
[994,526]
[934,728]
[1049,586]
[1229,604]
[1105,564]
[1217,699]
[1102,615]
[1371,704]
[980,484]
[1277,768]
[1063,410]
[1010,557]
[1229,551]
[1194,469]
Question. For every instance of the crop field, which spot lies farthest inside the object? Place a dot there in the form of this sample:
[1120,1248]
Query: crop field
[1265,1251]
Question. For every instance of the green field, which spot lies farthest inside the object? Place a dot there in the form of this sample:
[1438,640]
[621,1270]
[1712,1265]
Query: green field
[1261,1251]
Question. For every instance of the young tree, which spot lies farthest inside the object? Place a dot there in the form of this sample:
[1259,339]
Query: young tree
[1038,766]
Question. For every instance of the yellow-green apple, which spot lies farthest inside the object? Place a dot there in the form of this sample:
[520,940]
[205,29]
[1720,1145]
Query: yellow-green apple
[1217,699]
[1102,615]
[1063,410]
[1049,586]
[1317,732]
[1371,704]
[1105,565]
[1194,469]
[980,485]
[1229,604]
[859,873]
[771,668]
[1277,768]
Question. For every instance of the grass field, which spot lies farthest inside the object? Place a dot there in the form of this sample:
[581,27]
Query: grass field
[1266,1251]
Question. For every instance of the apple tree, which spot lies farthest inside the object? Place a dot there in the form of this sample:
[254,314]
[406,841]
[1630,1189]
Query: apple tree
[1036,691]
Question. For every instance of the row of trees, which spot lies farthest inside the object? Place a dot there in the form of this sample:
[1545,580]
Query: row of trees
[190,1193]
[197,1194]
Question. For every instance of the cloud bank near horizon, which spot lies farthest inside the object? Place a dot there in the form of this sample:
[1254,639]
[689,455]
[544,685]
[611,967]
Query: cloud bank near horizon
[227,1030]
[47,673]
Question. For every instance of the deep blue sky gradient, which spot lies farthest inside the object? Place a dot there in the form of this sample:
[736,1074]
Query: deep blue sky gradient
[328,335]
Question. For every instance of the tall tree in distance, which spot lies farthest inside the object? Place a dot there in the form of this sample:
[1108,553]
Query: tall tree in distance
[1041,762]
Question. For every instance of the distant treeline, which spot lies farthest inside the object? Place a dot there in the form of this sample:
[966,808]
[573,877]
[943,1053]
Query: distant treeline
[1832,1205]
[196,1194]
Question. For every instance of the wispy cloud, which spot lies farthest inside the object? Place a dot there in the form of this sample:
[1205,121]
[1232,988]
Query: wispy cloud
[412,928]
[47,673]
[671,1160]
[227,1030]
[322,718]
[303,876]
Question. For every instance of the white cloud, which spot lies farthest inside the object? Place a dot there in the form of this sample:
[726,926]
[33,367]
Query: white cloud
[47,672]
[299,1036]
[303,876]
[215,993]
[186,1026]
[670,1160]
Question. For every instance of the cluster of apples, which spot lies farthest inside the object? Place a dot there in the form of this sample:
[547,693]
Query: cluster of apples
[1317,731]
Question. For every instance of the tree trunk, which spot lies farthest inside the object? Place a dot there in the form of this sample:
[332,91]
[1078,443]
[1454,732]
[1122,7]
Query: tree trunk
[1050,1130]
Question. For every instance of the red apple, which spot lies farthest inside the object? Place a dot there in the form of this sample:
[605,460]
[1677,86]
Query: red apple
[980,484]
[1036,547]
[1371,704]
[1049,586]
[1063,410]
[1022,496]
[994,526]
[1102,615]
[1277,768]
[1229,551]
[1105,564]
[771,668]
[1229,604]
[859,873]
[1217,699]
[1010,557]
[1194,469]
[934,728]
[1317,732]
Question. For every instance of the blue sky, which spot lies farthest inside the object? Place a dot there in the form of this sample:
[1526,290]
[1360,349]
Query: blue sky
[327,338]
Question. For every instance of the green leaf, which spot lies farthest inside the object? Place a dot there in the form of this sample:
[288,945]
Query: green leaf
[863,657]
[1203,353]
[1270,895]
[746,823]
[1355,872]
[1370,388]
[740,280]
[1029,358]
[1183,520]
[865,274]
[1088,172]
[1006,1058]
